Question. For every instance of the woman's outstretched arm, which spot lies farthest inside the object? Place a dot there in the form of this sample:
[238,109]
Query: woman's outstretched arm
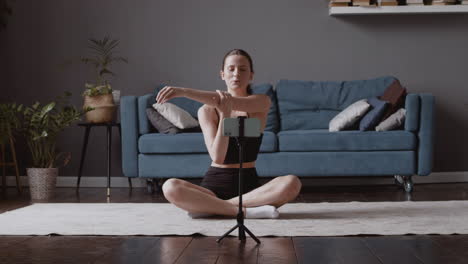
[212,126]
[251,104]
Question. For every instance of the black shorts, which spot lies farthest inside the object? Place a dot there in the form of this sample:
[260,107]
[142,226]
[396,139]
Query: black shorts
[224,182]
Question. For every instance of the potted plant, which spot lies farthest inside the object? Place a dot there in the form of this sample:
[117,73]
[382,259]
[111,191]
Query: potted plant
[99,95]
[41,126]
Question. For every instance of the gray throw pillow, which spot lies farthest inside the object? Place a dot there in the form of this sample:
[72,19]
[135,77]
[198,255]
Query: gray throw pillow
[349,116]
[160,123]
[394,121]
[371,119]
[176,115]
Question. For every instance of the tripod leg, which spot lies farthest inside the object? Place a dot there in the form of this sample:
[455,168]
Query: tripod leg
[226,234]
[242,232]
[4,169]
[251,235]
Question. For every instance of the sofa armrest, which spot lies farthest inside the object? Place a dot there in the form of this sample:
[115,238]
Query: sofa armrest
[412,106]
[143,103]
[130,134]
[426,134]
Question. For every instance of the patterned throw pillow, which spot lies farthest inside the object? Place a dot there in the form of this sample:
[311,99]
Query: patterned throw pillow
[394,121]
[349,116]
[372,118]
[176,115]
[395,95]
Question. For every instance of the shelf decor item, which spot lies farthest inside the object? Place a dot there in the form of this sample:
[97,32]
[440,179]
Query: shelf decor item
[395,10]
[99,96]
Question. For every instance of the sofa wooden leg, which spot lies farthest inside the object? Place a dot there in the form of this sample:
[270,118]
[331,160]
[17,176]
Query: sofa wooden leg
[154,185]
[405,181]
[398,180]
[150,186]
[408,184]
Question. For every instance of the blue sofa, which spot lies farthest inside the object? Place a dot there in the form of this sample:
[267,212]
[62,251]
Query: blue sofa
[296,139]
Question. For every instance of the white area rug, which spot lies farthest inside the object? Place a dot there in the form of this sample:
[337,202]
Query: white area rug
[299,219]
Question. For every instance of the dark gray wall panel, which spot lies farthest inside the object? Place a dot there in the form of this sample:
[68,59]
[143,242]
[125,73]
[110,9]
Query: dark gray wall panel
[182,43]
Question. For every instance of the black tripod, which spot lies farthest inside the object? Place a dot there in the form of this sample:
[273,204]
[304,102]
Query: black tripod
[240,215]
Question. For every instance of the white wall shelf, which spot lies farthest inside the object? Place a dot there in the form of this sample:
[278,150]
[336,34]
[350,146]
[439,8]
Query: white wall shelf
[384,10]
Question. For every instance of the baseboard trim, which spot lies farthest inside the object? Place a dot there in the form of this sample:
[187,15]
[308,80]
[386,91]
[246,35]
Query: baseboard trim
[436,177]
[70,181]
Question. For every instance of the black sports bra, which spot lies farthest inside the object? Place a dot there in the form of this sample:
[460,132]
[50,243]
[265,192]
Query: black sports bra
[251,149]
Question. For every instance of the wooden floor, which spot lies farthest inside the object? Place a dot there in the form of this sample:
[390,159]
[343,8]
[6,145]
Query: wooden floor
[198,249]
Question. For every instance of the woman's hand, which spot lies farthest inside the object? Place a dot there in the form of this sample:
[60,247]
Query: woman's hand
[169,92]
[225,103]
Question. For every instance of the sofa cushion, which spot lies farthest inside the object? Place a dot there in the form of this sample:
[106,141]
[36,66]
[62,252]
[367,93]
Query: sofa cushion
[307,105]
[190,143]
[272,119]
[352,140]
[372,118]
[349,116]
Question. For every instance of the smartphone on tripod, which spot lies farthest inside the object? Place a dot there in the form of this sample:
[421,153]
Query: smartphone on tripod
[231,127]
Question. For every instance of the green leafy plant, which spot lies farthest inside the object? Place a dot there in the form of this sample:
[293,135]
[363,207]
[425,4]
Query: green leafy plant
[41,125]
[103,56]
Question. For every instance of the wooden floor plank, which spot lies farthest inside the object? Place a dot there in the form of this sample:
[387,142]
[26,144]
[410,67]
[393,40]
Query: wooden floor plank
[200,250]
[333,250]
[118,249]
[58,249]
[450,249]
[12,205]
[167,250]
[276,250]
[130,250]
[391,249]
[232,250]
[316,250]
[12,240]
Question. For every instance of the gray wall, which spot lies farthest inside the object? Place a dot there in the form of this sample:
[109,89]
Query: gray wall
[182,43]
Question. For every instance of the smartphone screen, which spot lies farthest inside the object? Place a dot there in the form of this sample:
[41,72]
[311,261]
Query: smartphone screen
[251,127]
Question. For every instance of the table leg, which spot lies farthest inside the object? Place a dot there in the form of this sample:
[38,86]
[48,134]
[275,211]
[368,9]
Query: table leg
[109,146]
[83,155]
[120,135]
[4,170]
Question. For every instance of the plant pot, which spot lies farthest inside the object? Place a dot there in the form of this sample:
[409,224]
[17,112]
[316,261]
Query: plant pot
[104,111]
[42,182]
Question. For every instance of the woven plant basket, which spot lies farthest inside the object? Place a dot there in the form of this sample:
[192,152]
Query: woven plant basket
[104,111]
[42,182]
